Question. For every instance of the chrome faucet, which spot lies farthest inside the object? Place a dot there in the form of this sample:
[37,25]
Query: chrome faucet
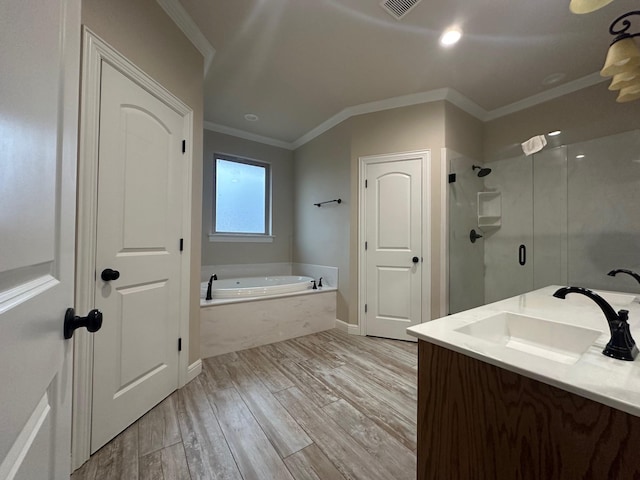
[621,345]
[613,273]
[213,277]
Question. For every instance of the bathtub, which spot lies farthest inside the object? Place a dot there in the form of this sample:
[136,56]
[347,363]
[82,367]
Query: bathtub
[256,286]
[245,313]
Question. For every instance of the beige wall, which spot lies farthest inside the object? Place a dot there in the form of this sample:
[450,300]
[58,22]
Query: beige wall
[322,172]
[464,133]
[406,129]
[328,167]
[143,33]
[583,115]
[281,161]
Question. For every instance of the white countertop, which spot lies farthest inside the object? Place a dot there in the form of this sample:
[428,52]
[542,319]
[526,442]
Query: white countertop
[615,383]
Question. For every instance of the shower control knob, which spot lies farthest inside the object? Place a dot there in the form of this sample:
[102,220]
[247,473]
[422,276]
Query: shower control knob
[415,259]
[108,274]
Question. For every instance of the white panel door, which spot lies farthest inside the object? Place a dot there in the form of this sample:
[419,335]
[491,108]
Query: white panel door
[140,175]
[393,213]
[39,54]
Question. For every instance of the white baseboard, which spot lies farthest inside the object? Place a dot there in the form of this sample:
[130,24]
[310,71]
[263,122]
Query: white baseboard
[194,370]
[348,327]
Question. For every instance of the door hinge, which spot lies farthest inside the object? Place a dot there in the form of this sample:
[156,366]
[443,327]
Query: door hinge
[365,308]
[366,183]
[181,244]
[366,245]
[452,178]
[180,344]
[184,146]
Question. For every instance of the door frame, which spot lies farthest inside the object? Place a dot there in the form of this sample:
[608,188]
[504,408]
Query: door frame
[95,51]
[363,162]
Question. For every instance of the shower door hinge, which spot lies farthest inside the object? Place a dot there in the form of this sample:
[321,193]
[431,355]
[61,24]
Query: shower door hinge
[365,308]
[180,344]
[452,178]
[181,244]
[184,146]
[366,245]
[366,183]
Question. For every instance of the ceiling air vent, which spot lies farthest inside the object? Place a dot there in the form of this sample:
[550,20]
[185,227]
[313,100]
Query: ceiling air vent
[398,8]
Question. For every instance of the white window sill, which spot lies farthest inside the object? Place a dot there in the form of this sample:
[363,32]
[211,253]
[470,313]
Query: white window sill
[239,238]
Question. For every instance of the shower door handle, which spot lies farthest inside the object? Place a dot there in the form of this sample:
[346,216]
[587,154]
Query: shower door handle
[522,255]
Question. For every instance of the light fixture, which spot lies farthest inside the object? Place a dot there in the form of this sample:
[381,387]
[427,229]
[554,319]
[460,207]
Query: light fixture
[251,117]
[554,133]
[587,6]
[450,37]
[581,156]
[624,79]
[629,94]
[623,59]
[623,56]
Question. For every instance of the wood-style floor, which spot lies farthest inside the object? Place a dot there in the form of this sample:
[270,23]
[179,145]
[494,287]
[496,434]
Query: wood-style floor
[327,406]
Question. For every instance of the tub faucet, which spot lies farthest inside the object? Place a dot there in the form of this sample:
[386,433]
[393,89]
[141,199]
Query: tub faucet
[314,285]
[213,277]
[621,345]
[613,273]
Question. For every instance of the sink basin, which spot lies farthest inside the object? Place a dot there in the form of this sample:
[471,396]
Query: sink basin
[615,299]
[552,340]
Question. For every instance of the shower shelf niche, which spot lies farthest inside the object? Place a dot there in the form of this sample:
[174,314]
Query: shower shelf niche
[489,209]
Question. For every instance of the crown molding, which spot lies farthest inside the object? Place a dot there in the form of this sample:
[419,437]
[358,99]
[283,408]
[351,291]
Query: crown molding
[564,89]
[215,127]
[388,104]
[448,94]
[183,20]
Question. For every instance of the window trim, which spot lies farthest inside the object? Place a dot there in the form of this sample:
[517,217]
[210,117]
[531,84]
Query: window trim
[266,237]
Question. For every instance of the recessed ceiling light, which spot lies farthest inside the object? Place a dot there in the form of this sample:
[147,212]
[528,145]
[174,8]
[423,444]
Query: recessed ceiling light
[251,117]
[580,156]
[553,78]
[451,36]
[554,133]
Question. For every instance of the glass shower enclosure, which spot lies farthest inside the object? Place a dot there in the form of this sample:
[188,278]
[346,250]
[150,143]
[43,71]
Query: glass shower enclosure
[564,216]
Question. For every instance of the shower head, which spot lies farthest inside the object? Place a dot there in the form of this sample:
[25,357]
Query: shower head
[482,172]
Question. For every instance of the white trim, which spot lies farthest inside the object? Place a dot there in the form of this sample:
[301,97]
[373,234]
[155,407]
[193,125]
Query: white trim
[565,89]
[194,370]
[214,127]
[183,20]
[448,94]
[444,234]
[240,238]
[347,327]
[425,155]
[378,106]
[95,51]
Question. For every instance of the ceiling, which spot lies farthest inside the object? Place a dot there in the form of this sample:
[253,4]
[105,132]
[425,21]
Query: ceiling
[297,63]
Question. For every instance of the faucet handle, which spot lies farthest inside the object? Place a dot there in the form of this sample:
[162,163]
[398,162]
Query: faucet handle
[623,315]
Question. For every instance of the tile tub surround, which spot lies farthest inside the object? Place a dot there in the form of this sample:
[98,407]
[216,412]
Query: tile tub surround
[234,325]
[594,376]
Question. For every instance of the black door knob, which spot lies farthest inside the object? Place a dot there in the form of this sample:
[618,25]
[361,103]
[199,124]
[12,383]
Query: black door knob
[92,322]
[473,236]
[108,274]
[415,259]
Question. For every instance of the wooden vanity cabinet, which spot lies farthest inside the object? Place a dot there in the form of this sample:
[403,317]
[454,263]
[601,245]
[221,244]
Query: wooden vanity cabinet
[479,421]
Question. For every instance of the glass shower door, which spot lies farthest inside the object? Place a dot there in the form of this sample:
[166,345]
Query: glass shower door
[508,248]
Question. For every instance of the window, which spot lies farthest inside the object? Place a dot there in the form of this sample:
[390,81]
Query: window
[241,199]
